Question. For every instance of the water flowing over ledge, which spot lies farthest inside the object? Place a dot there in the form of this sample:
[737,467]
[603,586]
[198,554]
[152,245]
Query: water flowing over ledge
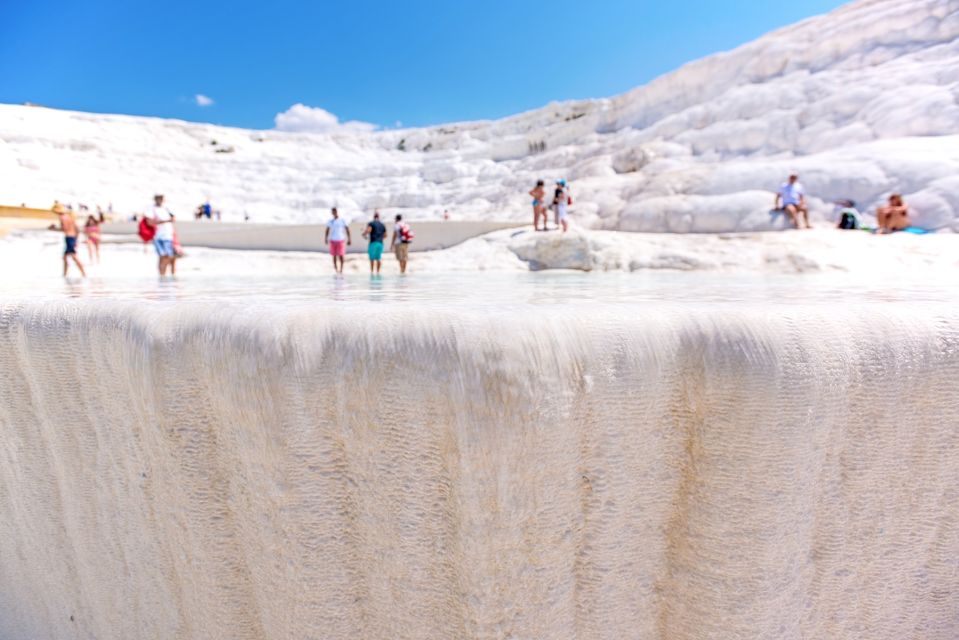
[212,470]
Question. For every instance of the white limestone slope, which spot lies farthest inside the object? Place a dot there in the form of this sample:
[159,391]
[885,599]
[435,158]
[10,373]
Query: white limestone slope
[861,102]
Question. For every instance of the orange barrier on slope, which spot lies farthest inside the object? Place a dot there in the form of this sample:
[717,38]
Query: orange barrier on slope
[25,212]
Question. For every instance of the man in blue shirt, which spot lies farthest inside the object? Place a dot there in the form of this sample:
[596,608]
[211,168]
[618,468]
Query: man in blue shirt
[375,232]
[792,199]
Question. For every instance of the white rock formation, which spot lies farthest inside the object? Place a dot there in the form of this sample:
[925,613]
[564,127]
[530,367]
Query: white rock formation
[861,102]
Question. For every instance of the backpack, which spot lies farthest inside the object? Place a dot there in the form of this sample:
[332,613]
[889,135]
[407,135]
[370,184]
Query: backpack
[146,231]
[849,219]
[406,234]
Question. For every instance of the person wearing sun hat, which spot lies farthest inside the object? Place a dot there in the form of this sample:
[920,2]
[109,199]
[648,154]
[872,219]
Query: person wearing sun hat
[68,225]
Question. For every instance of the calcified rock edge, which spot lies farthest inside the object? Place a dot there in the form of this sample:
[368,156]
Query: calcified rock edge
[215,472]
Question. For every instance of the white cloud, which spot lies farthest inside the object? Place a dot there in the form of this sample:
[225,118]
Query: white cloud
[202,100]
[306,119]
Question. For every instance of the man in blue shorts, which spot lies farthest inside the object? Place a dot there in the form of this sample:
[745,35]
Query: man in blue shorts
[162,220]
[69,228]
[375,232]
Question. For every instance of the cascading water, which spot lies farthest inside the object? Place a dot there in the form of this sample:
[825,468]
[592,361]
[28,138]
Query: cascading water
[209,470]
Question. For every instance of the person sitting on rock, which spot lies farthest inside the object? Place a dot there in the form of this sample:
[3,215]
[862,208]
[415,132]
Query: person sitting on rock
[894,216]
[848,215]
[791,198]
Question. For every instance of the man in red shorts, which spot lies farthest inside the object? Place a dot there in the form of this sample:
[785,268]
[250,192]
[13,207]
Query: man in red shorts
[337,237]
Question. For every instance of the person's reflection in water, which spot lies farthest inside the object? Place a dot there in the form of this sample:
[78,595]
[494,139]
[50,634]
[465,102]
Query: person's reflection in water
[90,288]
[168,290]
[375,290]
[401,290]
[340,289]
[74,288]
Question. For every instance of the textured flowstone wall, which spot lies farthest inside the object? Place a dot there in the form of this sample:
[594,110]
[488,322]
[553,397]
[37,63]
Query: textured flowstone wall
[540,472]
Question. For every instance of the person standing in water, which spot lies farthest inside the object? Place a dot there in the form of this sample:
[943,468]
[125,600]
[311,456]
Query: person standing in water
[561,201]
[337,237]
[69,228]
[375,232]
[161,219]
[92,231]
[400,244]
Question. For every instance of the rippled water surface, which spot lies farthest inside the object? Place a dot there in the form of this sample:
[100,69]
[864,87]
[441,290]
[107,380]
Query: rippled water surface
[496,290]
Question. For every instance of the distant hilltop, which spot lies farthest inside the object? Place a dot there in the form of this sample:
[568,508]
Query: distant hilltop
[860,102]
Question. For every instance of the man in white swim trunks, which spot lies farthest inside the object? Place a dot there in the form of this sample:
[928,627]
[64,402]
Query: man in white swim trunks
[791,198]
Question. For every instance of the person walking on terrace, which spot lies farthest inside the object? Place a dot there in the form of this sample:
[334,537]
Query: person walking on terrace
[162,220]
[375,232]
[92,231]
[400,243]
[68,225]
[337,237]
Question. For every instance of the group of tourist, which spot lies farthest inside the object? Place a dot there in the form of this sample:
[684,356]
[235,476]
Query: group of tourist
[157,226]
[559,204]
[791,198]
[338,237]
[67,224]
[71,233]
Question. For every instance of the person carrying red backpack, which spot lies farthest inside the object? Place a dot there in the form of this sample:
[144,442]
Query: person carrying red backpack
[400,244]
[162,221]
[146,231]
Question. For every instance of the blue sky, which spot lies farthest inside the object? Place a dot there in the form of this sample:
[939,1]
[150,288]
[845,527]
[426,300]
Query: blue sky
[376,61]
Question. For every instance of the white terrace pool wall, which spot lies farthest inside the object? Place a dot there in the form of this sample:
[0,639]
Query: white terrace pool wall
[215,471]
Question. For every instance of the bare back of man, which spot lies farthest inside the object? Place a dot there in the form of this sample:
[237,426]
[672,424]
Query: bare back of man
[70,233]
